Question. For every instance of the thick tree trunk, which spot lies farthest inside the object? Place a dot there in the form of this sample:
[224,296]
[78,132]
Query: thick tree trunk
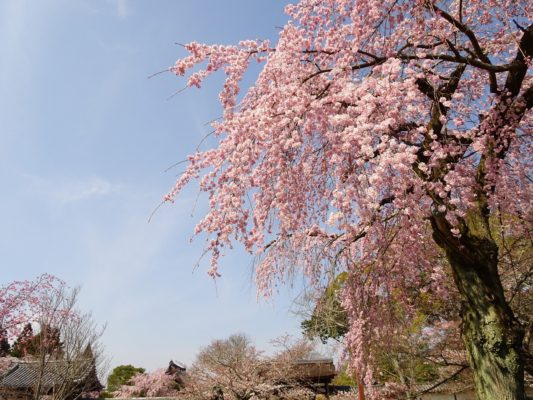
[492,336]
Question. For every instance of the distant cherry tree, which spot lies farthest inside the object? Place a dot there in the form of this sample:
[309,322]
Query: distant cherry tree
[234,369]
[19,306]
[149,384]
[21,302]
[378,137]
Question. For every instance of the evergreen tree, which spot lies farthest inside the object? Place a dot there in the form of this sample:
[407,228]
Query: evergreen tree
[121,375]
[4,343]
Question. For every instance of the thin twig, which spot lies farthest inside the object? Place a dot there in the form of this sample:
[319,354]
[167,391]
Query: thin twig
[175,165]
[155,210]
[176,93]
[159,73]
[204,139]
[444,380]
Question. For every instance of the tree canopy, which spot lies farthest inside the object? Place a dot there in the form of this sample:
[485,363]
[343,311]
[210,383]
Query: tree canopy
[121,375]
[379,138]
[329,319]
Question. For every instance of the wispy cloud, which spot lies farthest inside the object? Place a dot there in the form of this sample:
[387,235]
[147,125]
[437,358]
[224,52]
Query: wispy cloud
[121,8]
[64,191]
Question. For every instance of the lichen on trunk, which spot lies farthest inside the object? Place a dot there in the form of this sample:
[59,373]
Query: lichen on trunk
[491,333]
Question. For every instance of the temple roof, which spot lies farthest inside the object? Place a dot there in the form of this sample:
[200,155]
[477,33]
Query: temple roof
[25,375]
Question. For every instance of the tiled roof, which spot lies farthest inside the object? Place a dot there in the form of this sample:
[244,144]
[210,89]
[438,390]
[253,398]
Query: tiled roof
[455,387]
[314,358]
[25,375]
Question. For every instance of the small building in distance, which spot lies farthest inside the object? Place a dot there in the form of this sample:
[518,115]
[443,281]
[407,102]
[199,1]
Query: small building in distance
[314,370]
[176,370]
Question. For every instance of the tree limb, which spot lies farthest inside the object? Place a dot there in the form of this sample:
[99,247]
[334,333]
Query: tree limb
[444,380]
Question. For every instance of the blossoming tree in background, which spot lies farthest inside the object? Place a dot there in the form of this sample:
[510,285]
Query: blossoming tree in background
[233,368]
[381,136]
[66,346]
[20,303]
[149,384]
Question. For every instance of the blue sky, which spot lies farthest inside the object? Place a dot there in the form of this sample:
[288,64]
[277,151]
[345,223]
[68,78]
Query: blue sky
[85,140]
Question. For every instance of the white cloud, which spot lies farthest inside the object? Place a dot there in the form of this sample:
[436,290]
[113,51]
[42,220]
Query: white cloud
[121,7]
[64,191]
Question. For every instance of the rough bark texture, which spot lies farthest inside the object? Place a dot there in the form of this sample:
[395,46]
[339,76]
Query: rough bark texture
[492,336]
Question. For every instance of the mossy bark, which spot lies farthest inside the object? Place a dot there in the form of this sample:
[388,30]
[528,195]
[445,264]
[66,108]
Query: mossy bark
[492,335]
